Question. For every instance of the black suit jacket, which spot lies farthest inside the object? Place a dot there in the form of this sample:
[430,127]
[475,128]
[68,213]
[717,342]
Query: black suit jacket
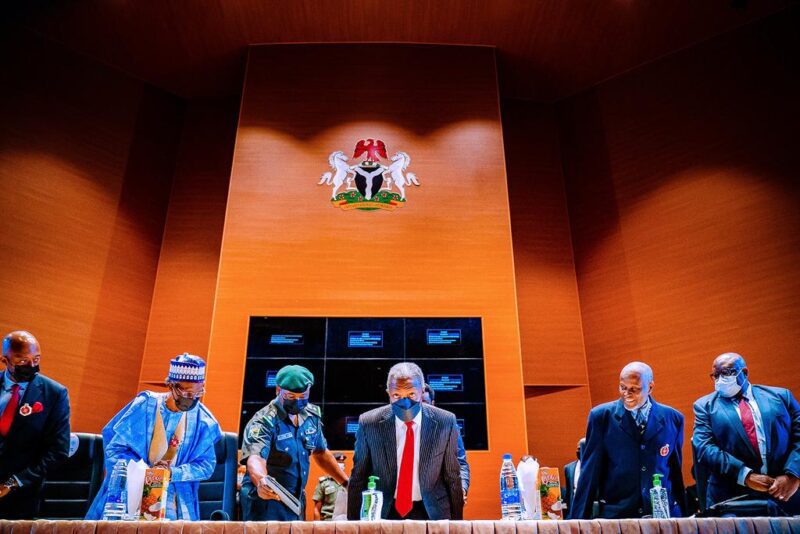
[439,471]
[34,444]
[569,481]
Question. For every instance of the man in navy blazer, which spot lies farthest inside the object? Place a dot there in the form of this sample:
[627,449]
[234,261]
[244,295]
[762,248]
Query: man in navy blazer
[34,426]
[748,437]
[627,442]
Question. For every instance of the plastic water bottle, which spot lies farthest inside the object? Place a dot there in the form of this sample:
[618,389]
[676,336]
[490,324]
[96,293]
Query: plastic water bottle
[371,501]
[659,499]
[510,501]
[116,507]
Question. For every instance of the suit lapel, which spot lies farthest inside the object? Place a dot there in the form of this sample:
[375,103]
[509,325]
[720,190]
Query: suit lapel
[426,440]
[625,421]
[655,422]
[389,440]
[33,393]
[729,411]
[766,407]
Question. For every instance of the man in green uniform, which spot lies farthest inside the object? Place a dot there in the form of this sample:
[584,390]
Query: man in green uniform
[279,441]
[326,492]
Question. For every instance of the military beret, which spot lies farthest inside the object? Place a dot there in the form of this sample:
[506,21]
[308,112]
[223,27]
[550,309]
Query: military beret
[295,378]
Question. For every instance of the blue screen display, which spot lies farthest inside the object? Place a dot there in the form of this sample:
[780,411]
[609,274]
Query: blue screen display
[460,424]
[350,425]
[441,336]
[286,339]
[271,379]
[364,339]
[446,382]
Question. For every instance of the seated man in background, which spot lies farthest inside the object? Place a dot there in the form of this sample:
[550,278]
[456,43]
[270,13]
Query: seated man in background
[627,442]
[572,473]
[326,492]
[748,437]
[429,397]
[170,430]
[279,441]
[413,449]
[34,426]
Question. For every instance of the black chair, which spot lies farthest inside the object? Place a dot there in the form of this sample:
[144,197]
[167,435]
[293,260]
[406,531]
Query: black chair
[217,495]
[70,489]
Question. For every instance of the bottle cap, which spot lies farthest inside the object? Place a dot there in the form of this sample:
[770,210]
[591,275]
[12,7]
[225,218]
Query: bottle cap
[371,483]
[506,456]
[657,480]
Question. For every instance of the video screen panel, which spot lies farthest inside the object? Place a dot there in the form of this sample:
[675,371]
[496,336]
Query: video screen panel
[286,337]
[442,338]
[351,357]
[361,338]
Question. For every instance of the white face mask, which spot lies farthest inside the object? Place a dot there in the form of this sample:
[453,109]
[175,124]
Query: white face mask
[727,386]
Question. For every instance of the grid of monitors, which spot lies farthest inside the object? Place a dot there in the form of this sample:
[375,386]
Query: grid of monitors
[351,358]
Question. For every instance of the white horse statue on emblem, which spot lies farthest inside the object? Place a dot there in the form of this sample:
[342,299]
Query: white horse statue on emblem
[397,174]
[338,163]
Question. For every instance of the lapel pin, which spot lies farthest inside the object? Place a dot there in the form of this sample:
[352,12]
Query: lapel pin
[25,410]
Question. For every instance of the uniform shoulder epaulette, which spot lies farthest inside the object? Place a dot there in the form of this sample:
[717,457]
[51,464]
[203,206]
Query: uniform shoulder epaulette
[313,409]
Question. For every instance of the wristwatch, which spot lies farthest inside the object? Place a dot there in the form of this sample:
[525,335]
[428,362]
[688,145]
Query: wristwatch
[11,483]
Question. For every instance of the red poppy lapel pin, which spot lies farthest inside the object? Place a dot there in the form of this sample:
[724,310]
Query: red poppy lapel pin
[27,409]
[37,407]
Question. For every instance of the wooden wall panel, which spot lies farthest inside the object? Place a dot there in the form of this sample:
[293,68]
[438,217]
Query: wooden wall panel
[286,251]
[86,160]
[683,195]
[183,297]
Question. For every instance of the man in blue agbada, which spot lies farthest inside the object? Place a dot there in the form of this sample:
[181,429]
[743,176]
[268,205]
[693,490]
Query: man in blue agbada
[169,430]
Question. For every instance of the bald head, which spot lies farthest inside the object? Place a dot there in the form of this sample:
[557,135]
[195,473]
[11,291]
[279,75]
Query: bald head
[20,341]
[635,384]
[729,360]
[21,355]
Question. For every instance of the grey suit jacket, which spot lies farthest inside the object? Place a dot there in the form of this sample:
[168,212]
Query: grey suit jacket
[439,472]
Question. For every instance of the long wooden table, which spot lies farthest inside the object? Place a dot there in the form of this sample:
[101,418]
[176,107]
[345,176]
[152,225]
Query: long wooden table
[756,525]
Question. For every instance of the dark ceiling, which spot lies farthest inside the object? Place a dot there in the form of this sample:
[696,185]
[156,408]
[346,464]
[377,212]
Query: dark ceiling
[547,49]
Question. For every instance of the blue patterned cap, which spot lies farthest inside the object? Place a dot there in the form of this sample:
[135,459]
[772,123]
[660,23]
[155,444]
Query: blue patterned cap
[187,368]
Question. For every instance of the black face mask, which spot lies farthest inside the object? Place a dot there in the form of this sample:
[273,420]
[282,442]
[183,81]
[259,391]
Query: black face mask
[406,409]
[294,406]
[183,403]
[24,373]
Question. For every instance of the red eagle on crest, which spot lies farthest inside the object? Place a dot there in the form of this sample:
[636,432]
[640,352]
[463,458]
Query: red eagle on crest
[375,150]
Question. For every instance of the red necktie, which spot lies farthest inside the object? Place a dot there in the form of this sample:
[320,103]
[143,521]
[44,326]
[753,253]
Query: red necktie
[749,424]
[403,502]
[10,411]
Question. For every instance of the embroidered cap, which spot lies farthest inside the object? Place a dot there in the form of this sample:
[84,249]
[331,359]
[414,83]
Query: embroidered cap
[187,368]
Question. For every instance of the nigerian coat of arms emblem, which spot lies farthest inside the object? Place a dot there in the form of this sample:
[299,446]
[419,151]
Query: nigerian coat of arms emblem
[369,185]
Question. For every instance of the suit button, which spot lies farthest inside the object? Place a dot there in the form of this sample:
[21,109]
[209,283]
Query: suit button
[641,511]
[644,468]
[641,447]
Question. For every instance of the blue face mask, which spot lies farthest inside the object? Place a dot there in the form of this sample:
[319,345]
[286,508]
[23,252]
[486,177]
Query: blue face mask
[294,406]
[728,386]
[406,409]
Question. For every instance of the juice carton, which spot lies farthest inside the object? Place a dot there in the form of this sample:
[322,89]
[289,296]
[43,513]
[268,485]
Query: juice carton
[154,494]
[550,490]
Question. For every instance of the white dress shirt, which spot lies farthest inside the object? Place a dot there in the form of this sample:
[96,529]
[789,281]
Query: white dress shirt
[758,421]
[400,433]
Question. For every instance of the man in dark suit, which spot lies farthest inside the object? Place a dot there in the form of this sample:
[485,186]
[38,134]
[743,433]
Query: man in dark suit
[572,473]
[34,426]
[429,397]
[627,442]
[748,437]
[391,443]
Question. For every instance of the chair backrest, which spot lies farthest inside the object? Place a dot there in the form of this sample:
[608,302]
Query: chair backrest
[70,489]
[219,491]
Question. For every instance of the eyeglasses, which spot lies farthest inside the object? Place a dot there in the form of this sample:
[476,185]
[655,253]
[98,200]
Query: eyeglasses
[725,372]
[188,394]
